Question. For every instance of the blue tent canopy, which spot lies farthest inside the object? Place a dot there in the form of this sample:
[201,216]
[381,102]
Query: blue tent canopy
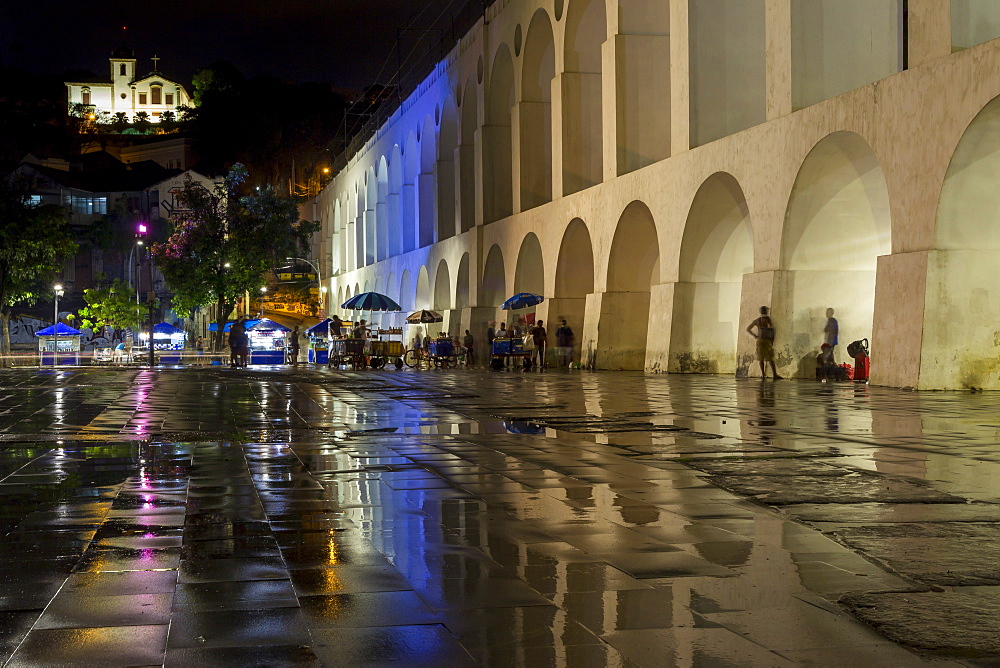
[320,329]
[267,325]
[61,330]
[166,328]
[214,327]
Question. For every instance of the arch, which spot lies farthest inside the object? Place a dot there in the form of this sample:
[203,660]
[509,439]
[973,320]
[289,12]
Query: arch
[716,251]
[529,272]
[442,287]
[494,279]
[366,245]
[574,281]
[422,298]
[339,255]
[467,157]
[535,115]
[586,32]
[963,275]
[463,289]
[395,206]
[406,291]
[340,298]
[498,162]
[426,195]
[408,199]
[837,223]
[382,210]
[445,170]
[633,268]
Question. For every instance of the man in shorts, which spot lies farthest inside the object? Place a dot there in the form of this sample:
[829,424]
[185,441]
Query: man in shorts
[765,341]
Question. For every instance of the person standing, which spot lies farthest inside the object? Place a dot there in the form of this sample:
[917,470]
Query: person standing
[541,341]
[468,342]
[238,344]
[831,332]
[765,341]
[564,342]
[293,346]
[199,346]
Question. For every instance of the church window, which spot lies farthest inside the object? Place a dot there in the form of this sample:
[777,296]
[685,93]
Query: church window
[123,70]
[155,90]
[85,96]
[169,99]
[123,96]
[142,98]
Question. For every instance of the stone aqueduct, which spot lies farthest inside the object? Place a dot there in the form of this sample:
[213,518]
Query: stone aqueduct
[658,169]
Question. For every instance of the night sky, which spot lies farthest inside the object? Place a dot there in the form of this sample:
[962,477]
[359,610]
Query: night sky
[342,42]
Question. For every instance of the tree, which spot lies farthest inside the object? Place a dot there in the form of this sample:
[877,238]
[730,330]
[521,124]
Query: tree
[34,240]
[168,121]
[141,121]
[111,305]
[120,122]
[226,242]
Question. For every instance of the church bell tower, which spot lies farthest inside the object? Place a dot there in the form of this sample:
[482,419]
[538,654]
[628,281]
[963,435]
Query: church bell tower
[122,75]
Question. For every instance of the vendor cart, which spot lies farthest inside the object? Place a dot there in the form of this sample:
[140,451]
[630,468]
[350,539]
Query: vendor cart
[506,350]
[386,350]
[441,353]
[353,352]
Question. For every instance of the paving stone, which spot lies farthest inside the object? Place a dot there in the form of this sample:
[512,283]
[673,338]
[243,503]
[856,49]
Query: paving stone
[951,554]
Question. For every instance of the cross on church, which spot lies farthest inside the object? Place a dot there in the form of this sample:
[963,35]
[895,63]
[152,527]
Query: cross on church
[155,59]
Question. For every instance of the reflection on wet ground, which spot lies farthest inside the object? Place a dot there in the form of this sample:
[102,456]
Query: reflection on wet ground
[188,517]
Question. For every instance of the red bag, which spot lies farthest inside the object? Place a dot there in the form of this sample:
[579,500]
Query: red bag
[848,371]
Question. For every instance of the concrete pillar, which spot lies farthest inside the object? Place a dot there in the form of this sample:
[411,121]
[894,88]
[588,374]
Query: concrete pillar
[661,324]
[898,329]
[580,140]
[477,319]
[479,176]
[680,82]
[758,290]
[447,202]
[622,324]
[778,57]
[929,33]
[352,248]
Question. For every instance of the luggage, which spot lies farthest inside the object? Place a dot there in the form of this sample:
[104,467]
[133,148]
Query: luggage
[853,349]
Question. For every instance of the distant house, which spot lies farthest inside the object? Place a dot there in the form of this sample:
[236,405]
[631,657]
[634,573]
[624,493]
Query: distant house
[126,91]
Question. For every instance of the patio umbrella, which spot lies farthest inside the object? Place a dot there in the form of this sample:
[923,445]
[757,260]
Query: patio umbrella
[522,300]
[371,301]
[424,316]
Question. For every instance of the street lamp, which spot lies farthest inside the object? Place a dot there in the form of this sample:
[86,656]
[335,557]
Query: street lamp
[58,290]
[263,293]
[141,233]
[319,280]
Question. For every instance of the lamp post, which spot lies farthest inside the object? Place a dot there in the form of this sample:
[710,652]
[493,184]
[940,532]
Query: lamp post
[58,291]
[142,232]
[263,293]
[319,281]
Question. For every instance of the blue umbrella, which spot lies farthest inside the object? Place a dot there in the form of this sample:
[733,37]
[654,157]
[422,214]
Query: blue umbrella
[166,328]
[371,301]
[522,300]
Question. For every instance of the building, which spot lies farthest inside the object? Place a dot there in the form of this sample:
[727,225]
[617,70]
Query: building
[127,91]
[659,170]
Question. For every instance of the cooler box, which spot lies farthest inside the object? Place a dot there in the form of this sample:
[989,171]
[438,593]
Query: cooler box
[517,347]
[393,348]
[501,346]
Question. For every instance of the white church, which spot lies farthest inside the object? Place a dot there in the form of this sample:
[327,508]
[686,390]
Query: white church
[127,91]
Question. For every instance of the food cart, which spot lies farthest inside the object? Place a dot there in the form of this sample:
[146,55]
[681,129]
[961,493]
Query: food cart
[508,349]
[318,334]
[268,340]
[441,352]
[349,351]
[63,340]
[384,349]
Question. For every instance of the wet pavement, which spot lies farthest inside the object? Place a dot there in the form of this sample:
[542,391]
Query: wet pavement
[210,516]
